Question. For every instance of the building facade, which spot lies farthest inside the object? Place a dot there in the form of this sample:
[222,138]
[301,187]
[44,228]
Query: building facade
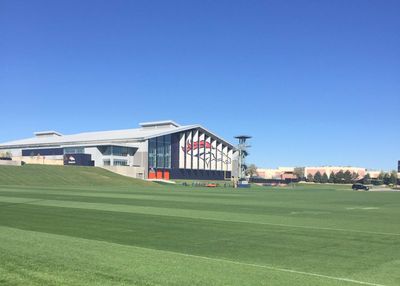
[156,150]
[281,173]
[361,172]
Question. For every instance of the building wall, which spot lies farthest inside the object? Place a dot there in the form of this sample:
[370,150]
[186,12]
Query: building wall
[328,170]
[200,156]
[201,151]
[97,157]
[10,163]
[13,152]
[41,160]
[197,155]
[280,173]
[133,172]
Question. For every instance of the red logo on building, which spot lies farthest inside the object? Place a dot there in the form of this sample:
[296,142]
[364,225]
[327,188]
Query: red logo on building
[206,152]
[196,145]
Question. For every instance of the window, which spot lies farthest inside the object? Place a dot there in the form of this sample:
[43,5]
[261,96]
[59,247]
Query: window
[43,152]
[160,152]
[120,162]
[152,153]
[116,150]
[122,151]
[107,162]
[105,150]
[74,150]
[167,151]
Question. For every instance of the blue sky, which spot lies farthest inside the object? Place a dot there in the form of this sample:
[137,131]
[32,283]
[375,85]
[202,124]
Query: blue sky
[314,82]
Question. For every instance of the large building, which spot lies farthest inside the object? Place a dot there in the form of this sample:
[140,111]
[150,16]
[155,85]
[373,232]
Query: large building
[156,150]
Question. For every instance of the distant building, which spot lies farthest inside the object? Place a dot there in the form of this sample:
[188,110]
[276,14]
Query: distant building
[328,170]
[398,172]
[374,174]
[281,173]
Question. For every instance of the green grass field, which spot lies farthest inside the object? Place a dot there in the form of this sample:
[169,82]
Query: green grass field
[86,226]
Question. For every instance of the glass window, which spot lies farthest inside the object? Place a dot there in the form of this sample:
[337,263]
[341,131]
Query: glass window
[105,150]
[116,150]
[152,153]
[120,162]
[122,151]
[107,162]
[74,150]
[160,152]
[167,151]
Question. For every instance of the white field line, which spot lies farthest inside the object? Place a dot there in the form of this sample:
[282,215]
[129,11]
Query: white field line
[159,212]
[342,279]
[318,228]
[288,270]
[148,211]
[273,268]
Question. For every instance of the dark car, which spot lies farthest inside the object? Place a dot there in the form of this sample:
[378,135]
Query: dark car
[359,187]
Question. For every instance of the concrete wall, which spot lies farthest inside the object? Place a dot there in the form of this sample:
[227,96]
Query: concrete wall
[97,157]
[133,172]
[10,163]
[41,160]
[14,152]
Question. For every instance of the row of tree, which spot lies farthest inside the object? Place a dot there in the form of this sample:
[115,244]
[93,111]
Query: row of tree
[336,178]
[348,178]
[383,179]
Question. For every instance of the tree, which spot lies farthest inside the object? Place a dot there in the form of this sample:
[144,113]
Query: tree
[339,177]
[386,179]
[310,178]
[251,170]
[367,179]
[347,177]
[393,178]
[354,177]
[332,178]
[299,172]
[317,177]
[324,178]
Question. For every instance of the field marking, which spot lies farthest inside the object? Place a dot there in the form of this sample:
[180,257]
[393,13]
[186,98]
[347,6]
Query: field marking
[187,213]
[277,269]
[148,211]
[269,267]
[362,208]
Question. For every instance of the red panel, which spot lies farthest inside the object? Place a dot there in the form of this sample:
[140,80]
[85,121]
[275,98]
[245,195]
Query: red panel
[152,175]
[166,175]
[159,174]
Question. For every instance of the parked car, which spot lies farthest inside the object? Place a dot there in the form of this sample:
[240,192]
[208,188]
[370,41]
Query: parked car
[359,187]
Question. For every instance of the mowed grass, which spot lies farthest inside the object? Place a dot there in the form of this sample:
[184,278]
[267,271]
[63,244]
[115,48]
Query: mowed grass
[72,226]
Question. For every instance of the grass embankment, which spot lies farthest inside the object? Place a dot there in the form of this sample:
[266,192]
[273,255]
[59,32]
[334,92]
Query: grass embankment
[42,175]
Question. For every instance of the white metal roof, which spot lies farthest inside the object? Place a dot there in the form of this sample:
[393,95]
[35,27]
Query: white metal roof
[101,137]
[162,124]
[47,133]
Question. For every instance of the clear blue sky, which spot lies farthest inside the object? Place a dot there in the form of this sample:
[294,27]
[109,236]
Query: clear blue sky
[314,82]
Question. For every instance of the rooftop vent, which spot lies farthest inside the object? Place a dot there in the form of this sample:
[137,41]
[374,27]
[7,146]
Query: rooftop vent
[159,124]
[47,134]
